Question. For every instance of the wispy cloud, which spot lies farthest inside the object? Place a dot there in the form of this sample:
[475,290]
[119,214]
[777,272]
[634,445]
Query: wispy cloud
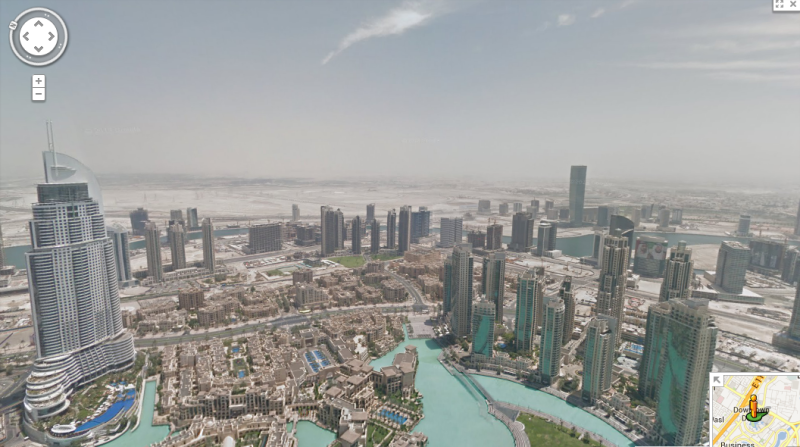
[790,78]
[785,25]
[397,21]
[765,71]
[626,3]
[566,19]
[721,65]
[598,12]
[747,47]
[732,46]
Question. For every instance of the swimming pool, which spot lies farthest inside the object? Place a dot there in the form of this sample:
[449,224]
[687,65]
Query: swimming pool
[316,360]
[115,409]
[392,416]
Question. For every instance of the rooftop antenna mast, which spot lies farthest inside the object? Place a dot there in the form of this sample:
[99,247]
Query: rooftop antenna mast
[51,144]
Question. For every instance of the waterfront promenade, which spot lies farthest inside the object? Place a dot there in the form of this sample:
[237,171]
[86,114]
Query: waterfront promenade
[507,412]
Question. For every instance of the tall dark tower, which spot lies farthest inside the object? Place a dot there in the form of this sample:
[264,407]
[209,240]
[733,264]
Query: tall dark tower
[521,233]
[565,293]
[493,284]
[370,212]
[494,237]
[209,255]
[356,226]
[404,230]
[375,236]
[391,229]
[797,222]
[577,192]
[332,230]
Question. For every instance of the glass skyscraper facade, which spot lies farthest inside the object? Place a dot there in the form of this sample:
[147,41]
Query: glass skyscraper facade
[551,341]
[460,289]
[483,328]
[530,297]
[686,352]
[493,281]
[74,290]
[598,358]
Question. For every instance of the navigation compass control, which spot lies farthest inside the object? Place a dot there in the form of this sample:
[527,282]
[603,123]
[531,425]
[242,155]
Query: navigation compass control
[38,36]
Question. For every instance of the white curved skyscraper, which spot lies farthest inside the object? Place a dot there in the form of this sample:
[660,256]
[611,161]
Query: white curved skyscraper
[73,286]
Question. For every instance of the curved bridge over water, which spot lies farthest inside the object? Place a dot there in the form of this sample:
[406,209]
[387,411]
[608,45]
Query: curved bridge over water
[507,413]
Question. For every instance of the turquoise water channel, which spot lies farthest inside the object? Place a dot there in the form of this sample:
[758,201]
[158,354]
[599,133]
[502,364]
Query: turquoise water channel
[146,433]
[455,414]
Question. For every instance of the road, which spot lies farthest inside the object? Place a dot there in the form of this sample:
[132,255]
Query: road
[287,320]
[12,396]
[419,302]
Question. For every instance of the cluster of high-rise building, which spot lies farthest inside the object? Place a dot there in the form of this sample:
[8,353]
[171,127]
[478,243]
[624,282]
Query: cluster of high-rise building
[680,333]
[76,266]
[401,231]
[177,239]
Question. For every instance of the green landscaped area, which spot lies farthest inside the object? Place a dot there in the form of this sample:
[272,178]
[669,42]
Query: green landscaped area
[274,273]
[349,261]
[541,432]
[240,364]
[378,435]
[385,257]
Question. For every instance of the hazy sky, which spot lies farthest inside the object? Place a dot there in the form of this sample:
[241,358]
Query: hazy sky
[648,89]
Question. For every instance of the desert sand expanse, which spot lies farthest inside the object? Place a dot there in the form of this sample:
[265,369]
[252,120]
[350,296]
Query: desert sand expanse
[230,201]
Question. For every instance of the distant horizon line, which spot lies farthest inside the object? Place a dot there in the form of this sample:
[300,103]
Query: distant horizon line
[562,180]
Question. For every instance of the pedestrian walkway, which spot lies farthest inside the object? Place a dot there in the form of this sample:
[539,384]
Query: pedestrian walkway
[553,419]
[502,411]
[517,428]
